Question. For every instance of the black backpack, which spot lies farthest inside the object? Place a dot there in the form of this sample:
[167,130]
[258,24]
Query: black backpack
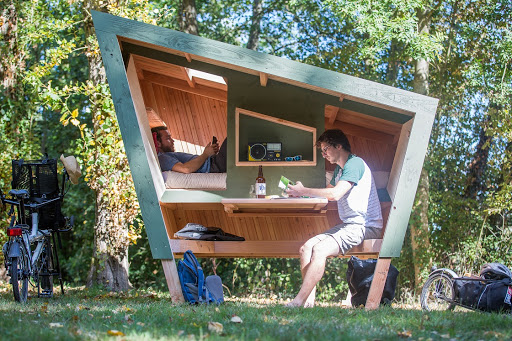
[359,277]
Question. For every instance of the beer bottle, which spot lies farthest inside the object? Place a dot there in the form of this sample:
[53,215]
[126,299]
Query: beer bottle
[261,186]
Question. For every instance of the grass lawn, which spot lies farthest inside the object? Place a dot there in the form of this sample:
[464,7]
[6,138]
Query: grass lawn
[95,314]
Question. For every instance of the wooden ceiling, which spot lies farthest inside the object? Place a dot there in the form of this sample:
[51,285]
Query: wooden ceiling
[181,78]
[358,124]
[185,79]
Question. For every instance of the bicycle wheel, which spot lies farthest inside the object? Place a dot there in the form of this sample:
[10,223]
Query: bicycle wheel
[19,276]
[437,293]
[45,269]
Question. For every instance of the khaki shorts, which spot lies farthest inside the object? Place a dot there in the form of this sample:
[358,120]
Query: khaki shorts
[349,235]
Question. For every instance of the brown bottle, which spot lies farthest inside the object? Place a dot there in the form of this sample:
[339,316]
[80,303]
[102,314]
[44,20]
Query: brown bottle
[261,186]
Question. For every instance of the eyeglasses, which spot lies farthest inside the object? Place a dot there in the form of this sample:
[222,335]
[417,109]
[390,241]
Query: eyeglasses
[324,149]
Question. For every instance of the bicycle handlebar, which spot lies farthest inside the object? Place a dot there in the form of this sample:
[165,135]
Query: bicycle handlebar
[32,205]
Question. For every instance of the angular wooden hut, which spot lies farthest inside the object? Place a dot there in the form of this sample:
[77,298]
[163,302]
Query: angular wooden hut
[202,88]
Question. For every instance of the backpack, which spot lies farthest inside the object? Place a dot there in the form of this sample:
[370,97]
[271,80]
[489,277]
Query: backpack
[359,277]
[199,232]
[197,289]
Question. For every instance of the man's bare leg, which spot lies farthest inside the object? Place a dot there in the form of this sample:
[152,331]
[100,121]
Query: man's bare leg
[315,269]
[305,258]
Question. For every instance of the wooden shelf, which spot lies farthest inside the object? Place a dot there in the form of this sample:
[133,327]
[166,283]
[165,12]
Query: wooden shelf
[240,111]
[262,248]
[279,207]
[276,163]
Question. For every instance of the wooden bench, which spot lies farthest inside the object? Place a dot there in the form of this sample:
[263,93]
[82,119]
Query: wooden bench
[271,227]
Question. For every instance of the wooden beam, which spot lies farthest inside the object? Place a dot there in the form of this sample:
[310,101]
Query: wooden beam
[189,79]
[183,86]
[173,281]
[330,113]
[263,79]
[193,206]
[262,248]
[363,132]
[369,122]
[342,97]
[188,56]
[378,282]
[260,213]
[156,66]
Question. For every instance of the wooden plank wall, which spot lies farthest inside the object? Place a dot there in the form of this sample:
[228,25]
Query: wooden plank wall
[192,119]
[255,228]
[377,149]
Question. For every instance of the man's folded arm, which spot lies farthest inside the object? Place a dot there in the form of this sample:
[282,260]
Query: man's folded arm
[190,166]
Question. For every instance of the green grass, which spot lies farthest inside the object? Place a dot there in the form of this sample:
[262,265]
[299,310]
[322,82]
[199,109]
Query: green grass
[140,315]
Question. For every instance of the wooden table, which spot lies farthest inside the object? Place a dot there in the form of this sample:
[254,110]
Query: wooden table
[277,206]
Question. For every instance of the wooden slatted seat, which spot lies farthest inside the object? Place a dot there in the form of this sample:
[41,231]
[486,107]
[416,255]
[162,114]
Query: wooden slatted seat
[273,232]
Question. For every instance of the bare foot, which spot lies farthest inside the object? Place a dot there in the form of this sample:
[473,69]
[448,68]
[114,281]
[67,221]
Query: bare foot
[293,304]
[309,304]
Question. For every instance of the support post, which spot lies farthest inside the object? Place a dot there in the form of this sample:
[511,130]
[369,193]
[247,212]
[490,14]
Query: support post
[379,280]
[173,281]
[347,302]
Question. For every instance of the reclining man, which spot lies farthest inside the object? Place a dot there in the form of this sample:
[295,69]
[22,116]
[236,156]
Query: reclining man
[212,160]
[353,187]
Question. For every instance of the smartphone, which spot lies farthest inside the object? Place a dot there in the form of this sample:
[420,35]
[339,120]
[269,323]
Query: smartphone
[214,140]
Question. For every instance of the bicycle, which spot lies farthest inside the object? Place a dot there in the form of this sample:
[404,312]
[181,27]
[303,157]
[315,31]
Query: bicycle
[29,253]
[445,290]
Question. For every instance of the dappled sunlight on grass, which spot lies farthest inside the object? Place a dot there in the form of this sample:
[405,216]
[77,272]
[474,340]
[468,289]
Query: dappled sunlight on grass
[147,315]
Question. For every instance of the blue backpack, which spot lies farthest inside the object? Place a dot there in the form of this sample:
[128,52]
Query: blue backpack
[197,289]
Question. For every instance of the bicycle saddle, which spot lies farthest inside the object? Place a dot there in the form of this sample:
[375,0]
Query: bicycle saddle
[19,192]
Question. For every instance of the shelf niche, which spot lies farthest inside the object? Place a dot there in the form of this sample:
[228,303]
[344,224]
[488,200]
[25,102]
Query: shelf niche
[296,138]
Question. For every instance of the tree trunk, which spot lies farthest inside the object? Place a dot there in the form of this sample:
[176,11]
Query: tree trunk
[188,17]
[11,59]
[477,167]
[109,265]
[392,69]
[254,33]
[11,62]
[420,241]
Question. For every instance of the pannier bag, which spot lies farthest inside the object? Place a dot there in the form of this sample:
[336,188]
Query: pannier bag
[491,293]
[359,277]
[199,232]
[197,289]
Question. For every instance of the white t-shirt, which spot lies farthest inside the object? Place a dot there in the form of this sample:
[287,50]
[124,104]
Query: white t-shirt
[360,205]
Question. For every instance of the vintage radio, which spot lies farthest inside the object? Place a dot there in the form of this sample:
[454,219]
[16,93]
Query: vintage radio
[265,151]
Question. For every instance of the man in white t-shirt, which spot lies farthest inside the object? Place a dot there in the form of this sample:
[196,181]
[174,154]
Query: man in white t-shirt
[353,187]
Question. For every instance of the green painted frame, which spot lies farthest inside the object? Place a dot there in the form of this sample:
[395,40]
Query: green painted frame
[415,111]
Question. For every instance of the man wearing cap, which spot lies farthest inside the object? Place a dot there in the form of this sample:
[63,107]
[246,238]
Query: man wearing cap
[212,160]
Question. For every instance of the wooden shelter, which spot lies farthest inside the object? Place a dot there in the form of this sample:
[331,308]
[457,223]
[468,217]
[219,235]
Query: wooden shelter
[201,88]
